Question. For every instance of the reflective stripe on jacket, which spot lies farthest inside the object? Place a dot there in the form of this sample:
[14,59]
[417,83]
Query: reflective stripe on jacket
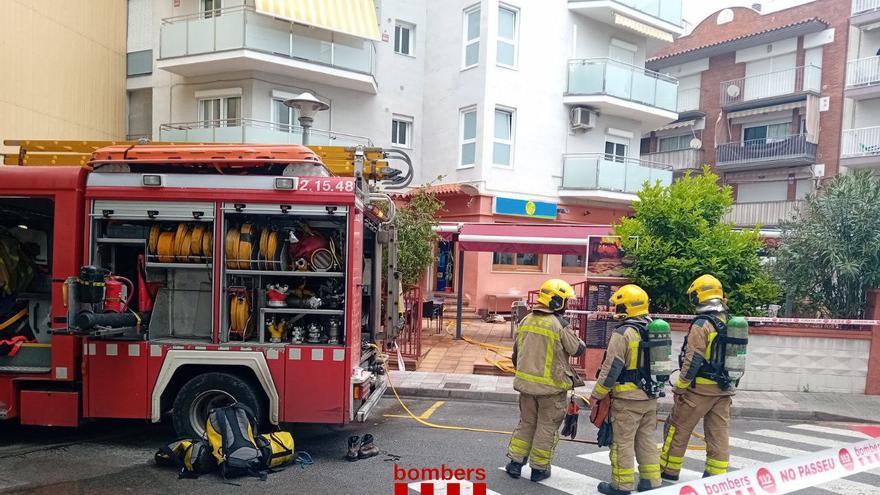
[544,344]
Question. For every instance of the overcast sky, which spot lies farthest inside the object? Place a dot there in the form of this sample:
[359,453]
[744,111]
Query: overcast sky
[697,10]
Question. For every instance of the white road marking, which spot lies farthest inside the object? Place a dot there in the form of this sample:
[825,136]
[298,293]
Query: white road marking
[794,437]
[602,458]
[833,431]
[566,481]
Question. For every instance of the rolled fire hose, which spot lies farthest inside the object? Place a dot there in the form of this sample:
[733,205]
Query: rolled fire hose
[208,245]
[246,245]
[195,246]
[271,251]
[239,314]
[264,242]
[165,247]
[153,239]
[232,236]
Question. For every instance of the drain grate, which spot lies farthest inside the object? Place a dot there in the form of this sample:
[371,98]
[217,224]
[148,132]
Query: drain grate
[457,386]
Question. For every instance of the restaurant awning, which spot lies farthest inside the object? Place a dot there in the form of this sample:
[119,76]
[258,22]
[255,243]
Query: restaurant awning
[541,239]
[353,17]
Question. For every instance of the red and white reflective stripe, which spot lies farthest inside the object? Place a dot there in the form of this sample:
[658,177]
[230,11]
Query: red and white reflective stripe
[752,319]
[787,475]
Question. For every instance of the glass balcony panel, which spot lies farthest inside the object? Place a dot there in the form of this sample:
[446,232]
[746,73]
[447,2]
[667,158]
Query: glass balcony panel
[173,40]
[230,30]
[352,53]
[612,175]
[580,173]
[636,176]
[200,36]
[267,34]
[621,80]
[586,78]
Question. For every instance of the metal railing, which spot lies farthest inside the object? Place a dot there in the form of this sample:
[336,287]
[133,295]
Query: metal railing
[252,131]
[860,142]
[598,171]
[688,100]
[766,213]
[604,76]
[765,150]
[688,159]
[666,10]
[862,72]
[770,84]
[241,27]
[862,6]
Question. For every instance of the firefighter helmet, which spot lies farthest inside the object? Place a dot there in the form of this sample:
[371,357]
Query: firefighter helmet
[705,288]
[554,293]
[629,301]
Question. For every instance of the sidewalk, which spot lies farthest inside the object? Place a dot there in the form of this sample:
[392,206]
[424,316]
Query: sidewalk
[443,354]
[794,406]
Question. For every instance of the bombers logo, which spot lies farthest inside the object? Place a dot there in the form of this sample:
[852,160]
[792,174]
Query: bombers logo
[454,479]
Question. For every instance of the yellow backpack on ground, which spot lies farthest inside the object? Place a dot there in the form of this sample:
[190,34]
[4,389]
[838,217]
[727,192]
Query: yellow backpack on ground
[276,449]
[230,432]
[193,458]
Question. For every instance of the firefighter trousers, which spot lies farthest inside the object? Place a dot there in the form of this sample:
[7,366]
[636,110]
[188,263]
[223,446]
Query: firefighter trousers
[634,423]
[537,433]
[689,408]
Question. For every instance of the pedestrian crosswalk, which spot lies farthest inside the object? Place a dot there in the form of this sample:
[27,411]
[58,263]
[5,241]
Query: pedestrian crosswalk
[579,474]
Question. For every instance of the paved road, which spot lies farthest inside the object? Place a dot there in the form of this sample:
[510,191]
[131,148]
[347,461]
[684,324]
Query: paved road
[114,457]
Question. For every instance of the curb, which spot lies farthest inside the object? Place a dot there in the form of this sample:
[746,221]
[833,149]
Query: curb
[663,407]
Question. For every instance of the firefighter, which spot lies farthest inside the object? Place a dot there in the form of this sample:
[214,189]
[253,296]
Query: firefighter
[625,375]
[545,342]
[701,391]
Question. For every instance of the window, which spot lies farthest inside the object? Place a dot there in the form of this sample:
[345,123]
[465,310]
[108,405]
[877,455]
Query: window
[404,39]
[401,131]
[766,133]
[574,263]
[211,8]
[283,116]
[675,143]
[472,36]
[502,146]
[505,52]
[615,152]
[220,112]
[510,262]
[468,137]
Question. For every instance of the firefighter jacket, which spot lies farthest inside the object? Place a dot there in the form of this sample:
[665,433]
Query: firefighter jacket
[621,356]
[544,344]
[696,351]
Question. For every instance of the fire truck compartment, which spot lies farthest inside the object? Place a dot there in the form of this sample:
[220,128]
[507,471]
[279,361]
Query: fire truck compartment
[50,408]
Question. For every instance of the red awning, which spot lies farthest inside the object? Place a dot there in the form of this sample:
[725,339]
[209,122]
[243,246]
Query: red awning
[541,239]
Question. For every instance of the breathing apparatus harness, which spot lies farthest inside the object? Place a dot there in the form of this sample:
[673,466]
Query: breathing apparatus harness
[713,368]
[642,375]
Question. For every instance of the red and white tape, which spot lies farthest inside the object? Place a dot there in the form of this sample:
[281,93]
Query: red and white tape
[787,475]
[751,319]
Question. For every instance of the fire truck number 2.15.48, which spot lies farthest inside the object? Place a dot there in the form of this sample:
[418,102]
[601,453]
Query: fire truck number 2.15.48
[325,185]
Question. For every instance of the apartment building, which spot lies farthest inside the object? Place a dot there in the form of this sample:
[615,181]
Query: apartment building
[64,70]
[760,100]
[516,111]
[860,145]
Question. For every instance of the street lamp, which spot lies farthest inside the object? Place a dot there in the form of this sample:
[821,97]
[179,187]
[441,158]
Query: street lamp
[307,106]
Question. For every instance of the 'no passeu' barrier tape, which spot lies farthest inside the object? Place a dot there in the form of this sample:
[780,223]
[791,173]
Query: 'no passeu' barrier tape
[787,475]
[751,319]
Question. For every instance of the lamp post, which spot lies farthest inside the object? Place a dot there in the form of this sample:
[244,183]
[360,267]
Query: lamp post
[307,106]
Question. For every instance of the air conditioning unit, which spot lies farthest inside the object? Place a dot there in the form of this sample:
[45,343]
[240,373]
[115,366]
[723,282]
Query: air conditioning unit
[582,118]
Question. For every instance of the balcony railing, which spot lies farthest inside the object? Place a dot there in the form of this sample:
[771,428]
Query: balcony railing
[252,131]
[766,213]
[689,159]
[760,151]
[667,10]
[604,76]
[862,6]
[688,100]
[771,84]
[860,142]
[598,171]
[862,72]
[242,27]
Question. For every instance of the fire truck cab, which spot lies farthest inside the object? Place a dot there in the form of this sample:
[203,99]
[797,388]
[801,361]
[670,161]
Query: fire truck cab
[166,280]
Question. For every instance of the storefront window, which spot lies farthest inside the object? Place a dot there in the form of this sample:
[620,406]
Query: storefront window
[528,262]
[574,263]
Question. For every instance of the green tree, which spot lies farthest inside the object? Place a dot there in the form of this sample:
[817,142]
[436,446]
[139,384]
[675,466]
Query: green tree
[416,238]
[829,256]
[677,234]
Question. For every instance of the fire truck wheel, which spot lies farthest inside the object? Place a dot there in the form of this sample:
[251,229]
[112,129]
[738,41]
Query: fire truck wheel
[207,391]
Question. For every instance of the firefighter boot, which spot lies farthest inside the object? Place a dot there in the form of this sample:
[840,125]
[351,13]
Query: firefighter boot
[540,474]
[668,477]
[514,469]
[368,448]
[644,485]
[354,444]
[607,489]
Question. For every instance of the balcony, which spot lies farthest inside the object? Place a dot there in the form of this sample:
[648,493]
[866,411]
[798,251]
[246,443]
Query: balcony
[770,88]
[608,178]
[678,160]
[238,39]
[616,88]
[860,147]
[788,151]
[252,131]
[664,15]
[863,78]
[764,213]
[865,12]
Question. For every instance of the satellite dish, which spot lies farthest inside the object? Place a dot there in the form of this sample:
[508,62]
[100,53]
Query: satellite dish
[696,144]
[733,91]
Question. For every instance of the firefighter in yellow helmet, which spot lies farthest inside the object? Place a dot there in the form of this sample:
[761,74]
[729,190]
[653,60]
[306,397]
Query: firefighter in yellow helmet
[544,344]
[702,391]
[634,405]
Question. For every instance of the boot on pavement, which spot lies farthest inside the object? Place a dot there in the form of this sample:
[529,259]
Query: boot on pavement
[354,444]
[644,485]
[368,448]
[667,476]
[606,488]
[514,469]
[540,474]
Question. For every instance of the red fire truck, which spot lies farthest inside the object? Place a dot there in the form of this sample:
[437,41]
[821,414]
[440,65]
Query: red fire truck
[162,281]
